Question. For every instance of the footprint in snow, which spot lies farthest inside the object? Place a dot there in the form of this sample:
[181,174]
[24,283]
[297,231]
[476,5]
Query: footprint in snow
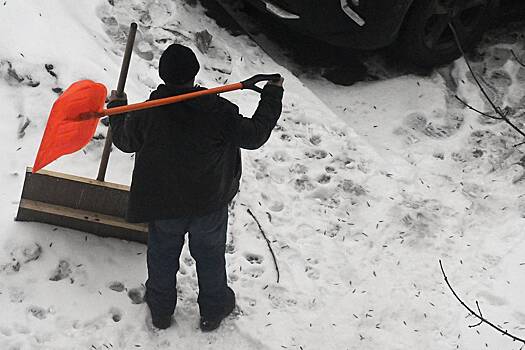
[24,122]
[324,179]
[497,57]
[13,77]
[116,314]
[188,261]
[37,312]
[254,258]
[137,294]
[439,124]
[285,138]
[28,253]
[330,170]
[317,154]
[312,272]
[16,295]
[279,300]
[22,255]
[274,205]
[12,267]
[118,33]
[408,136]
[303,184]
[501,80]
[298,168]
[62,271]
[315,140]
[280,156]
[116,286]
[351,187]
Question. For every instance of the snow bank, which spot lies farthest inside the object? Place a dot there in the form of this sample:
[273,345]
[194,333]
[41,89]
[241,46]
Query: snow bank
[461,180]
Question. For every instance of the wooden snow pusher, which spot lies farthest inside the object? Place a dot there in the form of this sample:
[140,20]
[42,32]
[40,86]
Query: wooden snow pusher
[88,205]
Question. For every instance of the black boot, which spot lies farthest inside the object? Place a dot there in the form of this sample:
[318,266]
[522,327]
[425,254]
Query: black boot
[158,320]
[161,321]
[211,322]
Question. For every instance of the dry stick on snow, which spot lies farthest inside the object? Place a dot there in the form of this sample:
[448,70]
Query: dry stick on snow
[517,58]
[480,322]
[476,110]
[267,242]
[480,316]
[501,115]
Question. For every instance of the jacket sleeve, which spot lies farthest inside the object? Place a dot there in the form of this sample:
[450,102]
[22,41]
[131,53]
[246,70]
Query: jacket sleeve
[127,129]
[252,133]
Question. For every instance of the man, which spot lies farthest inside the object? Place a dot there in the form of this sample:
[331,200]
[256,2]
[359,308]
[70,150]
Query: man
[187,170]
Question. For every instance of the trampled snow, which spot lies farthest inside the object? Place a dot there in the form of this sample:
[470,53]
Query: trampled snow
[357,222]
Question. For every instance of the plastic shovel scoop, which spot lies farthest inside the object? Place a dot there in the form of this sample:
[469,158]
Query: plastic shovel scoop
[75,114]
[65,132]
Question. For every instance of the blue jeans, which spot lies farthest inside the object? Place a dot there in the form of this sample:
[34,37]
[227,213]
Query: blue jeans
[207,240]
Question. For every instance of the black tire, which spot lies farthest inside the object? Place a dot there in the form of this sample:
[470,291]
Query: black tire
[426,39]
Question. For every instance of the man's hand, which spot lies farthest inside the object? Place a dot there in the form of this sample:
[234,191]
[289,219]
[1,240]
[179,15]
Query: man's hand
[117,97]
[278,82]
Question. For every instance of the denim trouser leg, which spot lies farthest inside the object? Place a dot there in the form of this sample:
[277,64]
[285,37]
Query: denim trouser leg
[165,242]
[207,236]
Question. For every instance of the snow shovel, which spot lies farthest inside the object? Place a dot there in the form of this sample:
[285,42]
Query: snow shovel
[80,203]
[75,115]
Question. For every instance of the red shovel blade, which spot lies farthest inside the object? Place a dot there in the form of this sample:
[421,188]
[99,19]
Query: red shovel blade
[66,131]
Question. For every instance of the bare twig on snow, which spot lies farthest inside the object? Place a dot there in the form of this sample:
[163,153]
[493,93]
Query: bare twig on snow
[501,114]
[517,58]
[476,110]
[267,242]
[480,316]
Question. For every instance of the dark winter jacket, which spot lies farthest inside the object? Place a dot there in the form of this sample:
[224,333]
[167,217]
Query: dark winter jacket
[188,159]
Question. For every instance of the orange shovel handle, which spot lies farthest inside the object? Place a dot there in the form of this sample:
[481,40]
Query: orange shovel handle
[169,100]
[245,84]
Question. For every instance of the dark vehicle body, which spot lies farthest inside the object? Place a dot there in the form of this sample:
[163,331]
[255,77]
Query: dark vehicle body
[326,20]
[423,31]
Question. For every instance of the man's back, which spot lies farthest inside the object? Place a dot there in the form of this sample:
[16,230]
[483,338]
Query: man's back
[187,154]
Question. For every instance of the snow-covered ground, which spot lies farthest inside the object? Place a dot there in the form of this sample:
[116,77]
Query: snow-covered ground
[358,222]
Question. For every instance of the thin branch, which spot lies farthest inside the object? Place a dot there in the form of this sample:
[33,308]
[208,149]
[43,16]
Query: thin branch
[480,316]
[502,115]
[480,322]
[476,110]
[460,47]
[517,58]
[267,242]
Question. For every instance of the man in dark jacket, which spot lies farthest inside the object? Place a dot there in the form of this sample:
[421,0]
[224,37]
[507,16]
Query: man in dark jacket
[187,170]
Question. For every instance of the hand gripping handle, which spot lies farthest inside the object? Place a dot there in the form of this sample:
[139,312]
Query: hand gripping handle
[250,83]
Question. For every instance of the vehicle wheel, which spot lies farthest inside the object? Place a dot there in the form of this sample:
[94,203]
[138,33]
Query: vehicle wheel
[426,38]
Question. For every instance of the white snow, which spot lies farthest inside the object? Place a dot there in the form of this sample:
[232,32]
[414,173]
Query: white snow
[358,223]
